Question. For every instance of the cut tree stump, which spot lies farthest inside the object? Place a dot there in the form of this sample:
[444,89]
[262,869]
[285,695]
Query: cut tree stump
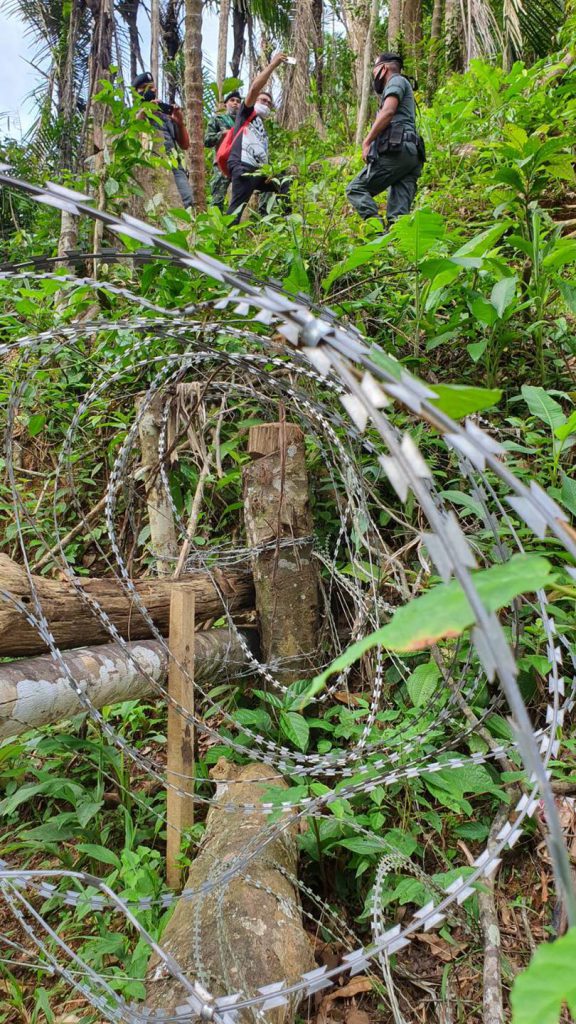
[35,691]
[73,624]
[277,508]
[247,933]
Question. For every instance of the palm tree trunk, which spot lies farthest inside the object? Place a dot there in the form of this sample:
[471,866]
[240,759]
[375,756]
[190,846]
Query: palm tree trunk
[366,75]
[100,60]
[222,43]
[193,94]
[435,45]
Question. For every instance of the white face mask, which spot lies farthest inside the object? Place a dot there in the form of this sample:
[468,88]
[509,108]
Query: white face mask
[262,109]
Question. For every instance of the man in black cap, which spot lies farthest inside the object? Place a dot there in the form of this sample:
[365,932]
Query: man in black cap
[217,127]
[392,149]
[172,129]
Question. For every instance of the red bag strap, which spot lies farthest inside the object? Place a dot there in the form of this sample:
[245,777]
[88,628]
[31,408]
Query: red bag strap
[243,126]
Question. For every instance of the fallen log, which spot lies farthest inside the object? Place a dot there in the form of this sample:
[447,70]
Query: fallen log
[36,691]
[74,624]
[248,932]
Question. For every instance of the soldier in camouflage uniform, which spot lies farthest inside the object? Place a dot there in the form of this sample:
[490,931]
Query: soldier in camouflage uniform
[215,132]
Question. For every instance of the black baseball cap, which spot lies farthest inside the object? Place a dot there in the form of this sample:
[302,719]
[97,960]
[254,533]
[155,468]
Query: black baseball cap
[143,79]
[389,58]
[234,95]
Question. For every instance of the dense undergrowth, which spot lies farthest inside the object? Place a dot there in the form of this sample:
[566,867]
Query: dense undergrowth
[475,288]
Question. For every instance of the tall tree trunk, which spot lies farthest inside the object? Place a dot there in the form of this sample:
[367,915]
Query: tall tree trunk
[238,32]
[223,20]
[296,92]
[66,112]
[100,60]
[412,30]
[435,47]
[453,35]
[356,14]
[317,14]
[171,43]
[394,22]
[193,93]
[155,41]
[366,73]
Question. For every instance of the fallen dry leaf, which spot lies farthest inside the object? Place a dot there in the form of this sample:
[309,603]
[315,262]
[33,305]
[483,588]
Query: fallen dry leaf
[440,948]
[356,1016]
[353,988]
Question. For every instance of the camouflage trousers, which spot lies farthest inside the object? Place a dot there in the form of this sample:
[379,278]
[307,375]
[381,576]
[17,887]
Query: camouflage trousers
[219,184]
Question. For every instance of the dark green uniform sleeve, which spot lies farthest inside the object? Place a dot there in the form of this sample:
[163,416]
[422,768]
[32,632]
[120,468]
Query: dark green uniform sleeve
[396,87]
[215,130]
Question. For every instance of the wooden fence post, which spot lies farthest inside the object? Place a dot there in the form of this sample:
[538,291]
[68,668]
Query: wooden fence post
[180,736]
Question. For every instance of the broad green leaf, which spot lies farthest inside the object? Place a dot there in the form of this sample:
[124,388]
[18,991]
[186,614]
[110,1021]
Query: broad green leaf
[417,234]
[483,310]
[548,982]
[87,810]
[503,294]
[543,406]
[568,493]
[422,683]
[295,728]
[482,243]
[476,350]
[359,256]
[36,424]
[457,400]
[363,844]
[444,611]
[568,292]
[100,853]
[470,505]
[563,253]
[567,428]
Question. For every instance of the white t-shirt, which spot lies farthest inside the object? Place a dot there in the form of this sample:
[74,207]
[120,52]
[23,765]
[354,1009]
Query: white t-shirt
[250,147]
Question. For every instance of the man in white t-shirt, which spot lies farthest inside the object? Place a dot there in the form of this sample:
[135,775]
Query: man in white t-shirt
[250,147]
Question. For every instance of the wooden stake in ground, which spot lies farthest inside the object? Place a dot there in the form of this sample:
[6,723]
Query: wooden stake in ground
[277,512]
[180,736]
[160,515]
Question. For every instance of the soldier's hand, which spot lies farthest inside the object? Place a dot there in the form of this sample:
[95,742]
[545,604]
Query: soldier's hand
[176,115]
[366,150]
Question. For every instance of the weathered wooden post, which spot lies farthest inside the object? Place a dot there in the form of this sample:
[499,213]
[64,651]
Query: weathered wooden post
[180,734]
[277,515]
[160,516]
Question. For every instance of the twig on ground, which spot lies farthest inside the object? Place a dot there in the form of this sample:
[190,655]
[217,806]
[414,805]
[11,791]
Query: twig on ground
[493,1006]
